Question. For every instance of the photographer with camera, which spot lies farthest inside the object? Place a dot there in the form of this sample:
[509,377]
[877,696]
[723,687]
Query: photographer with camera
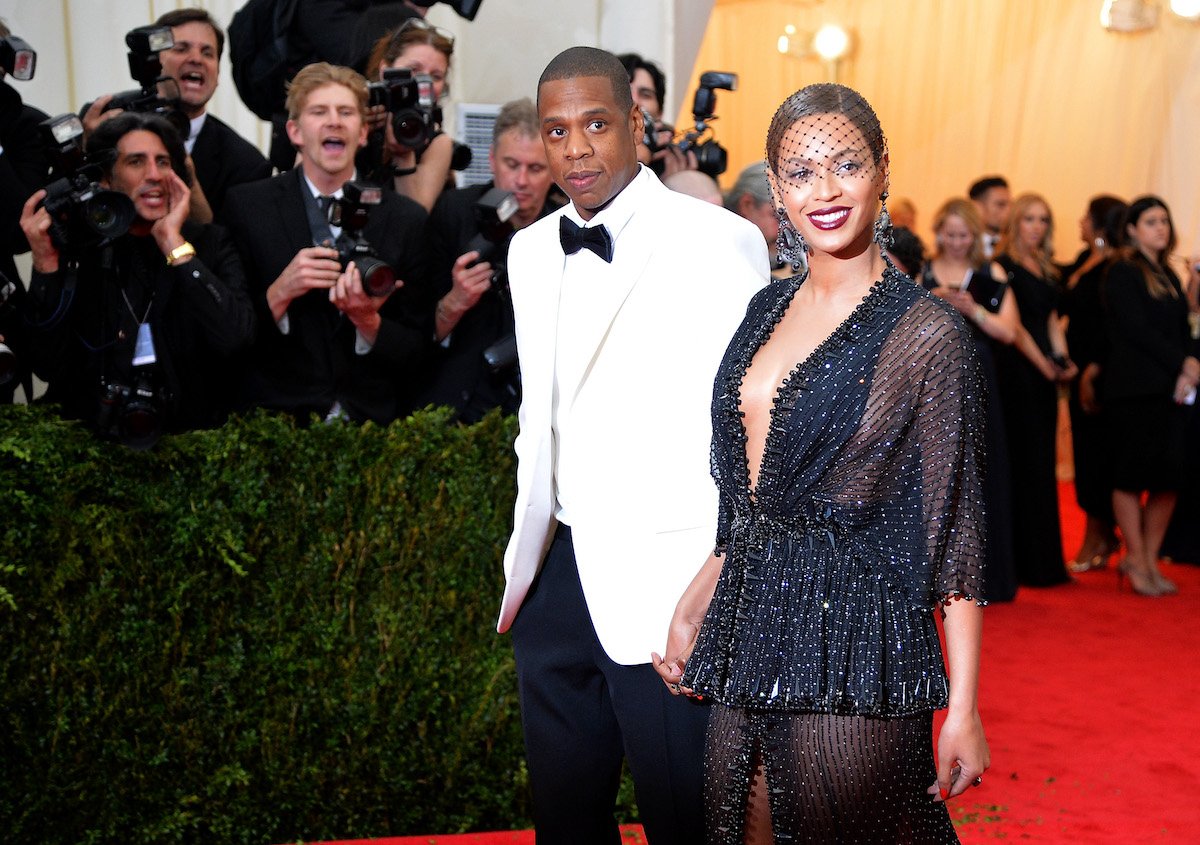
[176,61]
[337,336]
[408,149]
[475,367]
[23,169]
[134,310]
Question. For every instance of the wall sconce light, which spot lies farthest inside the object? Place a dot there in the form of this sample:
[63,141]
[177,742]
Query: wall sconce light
[1188,9]
[831,43]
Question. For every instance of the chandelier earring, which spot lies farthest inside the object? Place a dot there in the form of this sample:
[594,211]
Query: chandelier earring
[790,245]
[883,224]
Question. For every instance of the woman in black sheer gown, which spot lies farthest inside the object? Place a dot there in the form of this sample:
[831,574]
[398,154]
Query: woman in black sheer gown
[961,274]
[1030,372]
[1100,228]
[846,449]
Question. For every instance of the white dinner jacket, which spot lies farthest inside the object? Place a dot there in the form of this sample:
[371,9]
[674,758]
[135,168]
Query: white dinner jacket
[646,520]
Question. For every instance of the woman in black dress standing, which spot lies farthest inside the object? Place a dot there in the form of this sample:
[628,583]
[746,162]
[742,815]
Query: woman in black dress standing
[961,274]
[846,447]
[1030,372]
[1151,371]
[1100,228]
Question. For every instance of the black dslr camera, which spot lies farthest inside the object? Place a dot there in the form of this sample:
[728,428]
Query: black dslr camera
[158,94]
[350,214]
[133,415]
[17,58]
[408,98]
[82,213]
[711,157]
[493,214]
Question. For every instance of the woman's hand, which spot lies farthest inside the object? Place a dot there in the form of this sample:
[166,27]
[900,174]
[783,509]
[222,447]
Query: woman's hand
[962,755]
[685,626]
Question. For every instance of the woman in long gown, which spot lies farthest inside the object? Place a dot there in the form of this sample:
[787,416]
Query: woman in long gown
[1151,371]
[1029,374]
[978,288]
[846,448]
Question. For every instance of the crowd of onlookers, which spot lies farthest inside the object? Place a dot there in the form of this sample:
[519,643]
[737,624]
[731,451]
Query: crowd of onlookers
[359,284]
[1115,332]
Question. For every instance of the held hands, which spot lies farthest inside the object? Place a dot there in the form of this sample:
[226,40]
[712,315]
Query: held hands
[681,639]
[35,223]
[963,755]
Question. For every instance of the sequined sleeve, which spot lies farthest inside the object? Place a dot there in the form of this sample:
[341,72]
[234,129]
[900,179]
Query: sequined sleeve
[948,431]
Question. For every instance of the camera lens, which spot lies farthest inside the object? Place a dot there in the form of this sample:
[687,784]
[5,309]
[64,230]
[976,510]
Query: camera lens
[378,279]
[410,129]
[109,213]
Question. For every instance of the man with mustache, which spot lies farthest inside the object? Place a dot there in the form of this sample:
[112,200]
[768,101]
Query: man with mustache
[625,300]
[326,346]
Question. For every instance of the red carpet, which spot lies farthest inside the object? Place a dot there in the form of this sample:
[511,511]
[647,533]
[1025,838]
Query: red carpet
[1090,700]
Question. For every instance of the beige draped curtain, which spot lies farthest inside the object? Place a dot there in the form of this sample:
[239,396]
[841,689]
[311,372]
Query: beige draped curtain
[1035,90]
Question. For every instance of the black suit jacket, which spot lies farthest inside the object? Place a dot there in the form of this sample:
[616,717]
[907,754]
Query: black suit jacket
[315,364]
[223,159]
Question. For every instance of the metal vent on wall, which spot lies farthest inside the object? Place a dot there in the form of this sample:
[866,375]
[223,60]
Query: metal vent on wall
[474,122]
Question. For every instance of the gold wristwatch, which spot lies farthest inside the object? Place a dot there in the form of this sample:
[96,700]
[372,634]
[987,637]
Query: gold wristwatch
[179,253]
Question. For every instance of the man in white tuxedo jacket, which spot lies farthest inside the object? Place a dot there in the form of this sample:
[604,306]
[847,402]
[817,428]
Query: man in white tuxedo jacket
[624,303]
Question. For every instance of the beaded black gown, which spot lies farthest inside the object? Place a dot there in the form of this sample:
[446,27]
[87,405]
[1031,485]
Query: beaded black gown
[820,649]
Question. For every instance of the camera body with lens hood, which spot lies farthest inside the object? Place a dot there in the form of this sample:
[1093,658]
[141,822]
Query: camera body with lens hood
[411,105]
[350,213]
[83,214]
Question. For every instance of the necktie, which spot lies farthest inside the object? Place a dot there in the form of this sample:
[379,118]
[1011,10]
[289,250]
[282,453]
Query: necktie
[324,202]
[574,238]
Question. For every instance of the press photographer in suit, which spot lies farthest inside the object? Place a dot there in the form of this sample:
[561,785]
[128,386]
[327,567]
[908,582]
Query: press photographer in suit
[616,510]
[221,157]
[331,342]
[475,366]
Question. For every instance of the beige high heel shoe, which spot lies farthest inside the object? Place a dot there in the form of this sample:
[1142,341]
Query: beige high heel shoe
[1140,581]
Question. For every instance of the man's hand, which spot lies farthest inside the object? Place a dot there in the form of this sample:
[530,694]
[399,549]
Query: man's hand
[348,296]
[311,268]
[95,114]
[199,209]
[166,229]
[35,223]
[471,281]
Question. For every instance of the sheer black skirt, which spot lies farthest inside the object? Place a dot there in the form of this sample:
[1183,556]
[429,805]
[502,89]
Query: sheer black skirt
[829,778]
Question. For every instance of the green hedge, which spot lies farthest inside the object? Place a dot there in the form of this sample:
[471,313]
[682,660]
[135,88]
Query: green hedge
[255,634]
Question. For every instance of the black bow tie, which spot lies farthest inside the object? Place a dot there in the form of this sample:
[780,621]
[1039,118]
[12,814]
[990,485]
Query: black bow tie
[574,238]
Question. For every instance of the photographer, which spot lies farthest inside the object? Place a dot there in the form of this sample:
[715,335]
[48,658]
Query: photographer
[131,331]
[23,169]
[418,167]
[217,157]
[474,317]
[648,85]
[325,344]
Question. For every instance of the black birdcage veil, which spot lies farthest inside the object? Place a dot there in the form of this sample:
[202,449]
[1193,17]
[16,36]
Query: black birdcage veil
[825,131]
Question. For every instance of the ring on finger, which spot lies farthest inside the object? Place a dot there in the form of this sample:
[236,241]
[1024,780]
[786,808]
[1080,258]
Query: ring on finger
[674,687]
[978,781]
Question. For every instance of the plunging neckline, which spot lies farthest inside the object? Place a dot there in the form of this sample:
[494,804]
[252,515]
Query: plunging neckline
[752,488]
